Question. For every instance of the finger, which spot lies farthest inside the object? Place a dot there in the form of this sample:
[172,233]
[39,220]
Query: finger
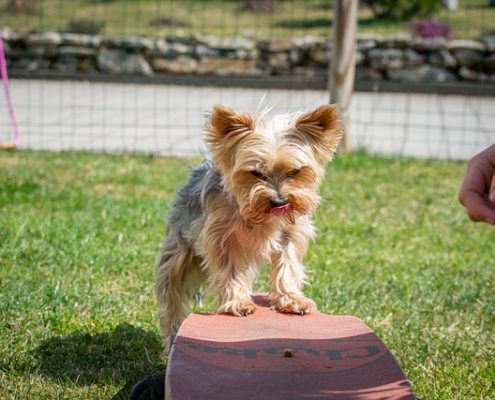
[475,181]
[478,209]
[491,197]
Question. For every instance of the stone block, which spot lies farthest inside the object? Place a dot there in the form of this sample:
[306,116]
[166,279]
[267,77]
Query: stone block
[225,67]
[474,76]
[169,49]
[443,58]
[420,73]
[48,39]
[179,65]
[135,43]
[80,40]
[118,61]
[276,45]
[77,51]
[385,59]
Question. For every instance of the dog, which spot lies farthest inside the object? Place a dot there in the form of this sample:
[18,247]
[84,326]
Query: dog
[249,203]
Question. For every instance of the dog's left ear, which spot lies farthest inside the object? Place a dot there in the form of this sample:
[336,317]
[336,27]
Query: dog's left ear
[225,129]
[322,128]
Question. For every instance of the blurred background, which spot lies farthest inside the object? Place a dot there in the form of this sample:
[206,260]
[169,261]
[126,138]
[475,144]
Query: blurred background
[139,75]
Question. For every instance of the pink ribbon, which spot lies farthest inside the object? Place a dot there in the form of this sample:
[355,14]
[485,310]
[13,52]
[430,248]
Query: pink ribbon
[6,89]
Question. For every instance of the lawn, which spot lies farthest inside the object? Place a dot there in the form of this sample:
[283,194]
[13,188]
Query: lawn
[79,234]
[225,18]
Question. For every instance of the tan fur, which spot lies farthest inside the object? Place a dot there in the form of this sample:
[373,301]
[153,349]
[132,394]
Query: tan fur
[235,234]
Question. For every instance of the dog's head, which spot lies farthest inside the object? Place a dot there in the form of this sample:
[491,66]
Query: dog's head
[273,166]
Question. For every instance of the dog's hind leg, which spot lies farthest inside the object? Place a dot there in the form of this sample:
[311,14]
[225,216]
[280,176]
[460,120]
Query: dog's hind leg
[178,278]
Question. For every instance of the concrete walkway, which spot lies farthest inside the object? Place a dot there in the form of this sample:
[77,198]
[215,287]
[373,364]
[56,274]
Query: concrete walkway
[168,120]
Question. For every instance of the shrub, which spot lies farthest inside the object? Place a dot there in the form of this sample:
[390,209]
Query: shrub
[87,26]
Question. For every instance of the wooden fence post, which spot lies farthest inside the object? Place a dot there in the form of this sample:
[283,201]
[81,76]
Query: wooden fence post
[343,59]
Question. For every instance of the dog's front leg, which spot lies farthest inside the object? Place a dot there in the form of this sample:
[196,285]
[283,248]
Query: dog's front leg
[287,279]
[232,283]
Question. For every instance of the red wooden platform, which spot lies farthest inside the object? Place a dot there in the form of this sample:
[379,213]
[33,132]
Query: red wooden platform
[269,355]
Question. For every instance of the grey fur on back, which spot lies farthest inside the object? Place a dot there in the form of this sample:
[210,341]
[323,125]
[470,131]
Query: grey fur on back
[188,207]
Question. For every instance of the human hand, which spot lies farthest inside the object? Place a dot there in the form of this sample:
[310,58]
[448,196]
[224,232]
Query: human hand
[477,192]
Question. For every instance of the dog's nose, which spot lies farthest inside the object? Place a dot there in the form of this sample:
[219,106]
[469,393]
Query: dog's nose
[278,202]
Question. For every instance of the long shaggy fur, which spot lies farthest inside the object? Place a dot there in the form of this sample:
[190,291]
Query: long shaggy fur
[223,226]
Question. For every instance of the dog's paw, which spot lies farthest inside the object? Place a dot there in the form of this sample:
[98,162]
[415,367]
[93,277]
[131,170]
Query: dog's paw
[293,304]
[238,308]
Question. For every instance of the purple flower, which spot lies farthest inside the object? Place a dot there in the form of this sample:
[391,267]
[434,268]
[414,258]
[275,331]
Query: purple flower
[430,28]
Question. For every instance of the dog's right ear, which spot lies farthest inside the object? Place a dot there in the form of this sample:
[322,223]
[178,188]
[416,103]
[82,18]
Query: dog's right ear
[225,128]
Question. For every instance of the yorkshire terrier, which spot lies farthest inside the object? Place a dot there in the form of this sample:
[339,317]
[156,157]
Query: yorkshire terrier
[249,204]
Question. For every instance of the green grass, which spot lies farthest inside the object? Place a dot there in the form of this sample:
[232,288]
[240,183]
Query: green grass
[79,234]
[224,18]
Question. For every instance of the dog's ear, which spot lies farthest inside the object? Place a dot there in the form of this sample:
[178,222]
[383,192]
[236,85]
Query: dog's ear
[323,130]
[225,128]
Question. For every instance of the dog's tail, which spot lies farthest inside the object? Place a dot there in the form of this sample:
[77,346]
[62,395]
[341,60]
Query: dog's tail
[178,279]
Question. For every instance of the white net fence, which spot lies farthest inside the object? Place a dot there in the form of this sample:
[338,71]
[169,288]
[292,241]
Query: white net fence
[169,120]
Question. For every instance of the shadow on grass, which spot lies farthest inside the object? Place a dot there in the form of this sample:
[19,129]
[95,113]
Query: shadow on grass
[304,23]
[485,6]
[376,23]
[123,356]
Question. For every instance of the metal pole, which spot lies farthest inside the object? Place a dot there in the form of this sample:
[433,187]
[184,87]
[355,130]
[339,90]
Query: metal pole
[343,59]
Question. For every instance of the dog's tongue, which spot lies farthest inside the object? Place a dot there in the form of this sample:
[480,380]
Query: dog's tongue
[282,209]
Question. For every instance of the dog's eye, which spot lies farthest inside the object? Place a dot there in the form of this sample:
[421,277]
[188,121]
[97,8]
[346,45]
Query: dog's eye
[257,174]
[293,173]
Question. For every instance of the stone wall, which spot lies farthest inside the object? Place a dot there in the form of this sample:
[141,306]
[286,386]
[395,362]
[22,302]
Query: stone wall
[393,58]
